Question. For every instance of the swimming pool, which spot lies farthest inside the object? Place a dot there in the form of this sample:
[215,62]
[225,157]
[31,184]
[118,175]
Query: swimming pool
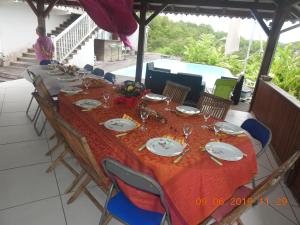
[209,73]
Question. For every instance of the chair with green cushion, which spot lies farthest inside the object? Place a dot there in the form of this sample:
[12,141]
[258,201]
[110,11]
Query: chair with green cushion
[224,87]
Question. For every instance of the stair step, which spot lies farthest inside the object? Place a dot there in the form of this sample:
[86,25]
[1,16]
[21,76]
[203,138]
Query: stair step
[30,50]
[26,59]
[22,64]
[29,55]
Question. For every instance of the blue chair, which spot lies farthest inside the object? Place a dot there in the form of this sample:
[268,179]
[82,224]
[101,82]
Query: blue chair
[121,207]
[110,77]
[259,131]
[88,67]
[98,72]
[47,62]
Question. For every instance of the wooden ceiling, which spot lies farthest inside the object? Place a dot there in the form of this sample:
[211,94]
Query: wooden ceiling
[230,8]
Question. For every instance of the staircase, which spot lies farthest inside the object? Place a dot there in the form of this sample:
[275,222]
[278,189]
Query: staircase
[27,59]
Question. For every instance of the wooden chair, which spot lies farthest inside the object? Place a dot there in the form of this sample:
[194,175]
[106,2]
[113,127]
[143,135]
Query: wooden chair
[90,168]
[228,214]
[176,91]
[216,106]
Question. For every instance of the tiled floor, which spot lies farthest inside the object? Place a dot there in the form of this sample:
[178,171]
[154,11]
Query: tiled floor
[29,196]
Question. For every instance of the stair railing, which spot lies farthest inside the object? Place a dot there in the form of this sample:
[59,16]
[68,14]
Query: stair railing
[68,40]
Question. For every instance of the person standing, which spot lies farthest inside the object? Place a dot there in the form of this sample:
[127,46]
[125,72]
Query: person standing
[44,48]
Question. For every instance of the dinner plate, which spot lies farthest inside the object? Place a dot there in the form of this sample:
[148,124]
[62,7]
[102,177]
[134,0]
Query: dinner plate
[154,97]
[229,128]
[71,90]
[67,78]
[224,151]
[164,146]
[88,103]
[120,125]
[188,110]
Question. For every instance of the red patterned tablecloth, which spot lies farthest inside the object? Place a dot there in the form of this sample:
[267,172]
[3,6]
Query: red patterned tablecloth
[194,187]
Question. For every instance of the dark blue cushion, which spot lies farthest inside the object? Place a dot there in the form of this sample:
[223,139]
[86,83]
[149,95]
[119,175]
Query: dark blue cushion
[98,72]
[257,130]
[121,207]
[88,67]
[110,77]
[47,62]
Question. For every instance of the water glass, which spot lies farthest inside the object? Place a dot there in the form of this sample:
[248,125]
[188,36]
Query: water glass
[187,131]
[106,98]
[144,117]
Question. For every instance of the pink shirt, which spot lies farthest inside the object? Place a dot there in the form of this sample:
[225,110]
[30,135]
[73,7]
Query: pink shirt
[44,48]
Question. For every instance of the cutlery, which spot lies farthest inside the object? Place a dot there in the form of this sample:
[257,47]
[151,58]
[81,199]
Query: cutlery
[86,110]
[216,161]
[182,154]
[120,135]
[142,147]
[101,123]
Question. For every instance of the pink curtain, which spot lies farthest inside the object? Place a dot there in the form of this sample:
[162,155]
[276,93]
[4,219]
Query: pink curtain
[114,16]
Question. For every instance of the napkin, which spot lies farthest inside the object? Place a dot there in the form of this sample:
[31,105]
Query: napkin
[125,116]
[179,140]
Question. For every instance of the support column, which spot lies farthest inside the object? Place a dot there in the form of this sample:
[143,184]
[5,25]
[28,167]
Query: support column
[141,43]
[273,38]
[40,13]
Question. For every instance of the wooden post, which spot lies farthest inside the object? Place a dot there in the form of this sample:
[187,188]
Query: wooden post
[141,43]
[40,10]
[273,38]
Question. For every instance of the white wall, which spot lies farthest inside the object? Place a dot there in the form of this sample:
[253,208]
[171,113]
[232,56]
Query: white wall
[17,26]
[85,55]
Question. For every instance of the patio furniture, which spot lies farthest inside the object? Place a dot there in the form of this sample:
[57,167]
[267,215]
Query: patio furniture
[176,92]
[223,88]
[229,213]
[47,62]
[156,78]
[259,131]
[110,77]
[88,67]
[120,206]
[98,72]
[90,168]
[32,77]
[216,106]
[237,91]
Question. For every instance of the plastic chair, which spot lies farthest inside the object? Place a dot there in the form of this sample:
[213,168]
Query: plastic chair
[120,206]
[259,131]
[110,77]
[98,72]
[224,87]
[88,67]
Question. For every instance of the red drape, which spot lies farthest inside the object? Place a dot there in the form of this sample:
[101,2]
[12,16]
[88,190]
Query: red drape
[114,16]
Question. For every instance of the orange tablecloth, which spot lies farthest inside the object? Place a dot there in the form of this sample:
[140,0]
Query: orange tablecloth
[194,187]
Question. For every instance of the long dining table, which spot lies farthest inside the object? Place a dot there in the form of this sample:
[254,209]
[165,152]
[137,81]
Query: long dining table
[195,186]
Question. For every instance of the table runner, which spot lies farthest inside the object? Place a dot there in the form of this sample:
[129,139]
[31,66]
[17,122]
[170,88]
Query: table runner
[195,179]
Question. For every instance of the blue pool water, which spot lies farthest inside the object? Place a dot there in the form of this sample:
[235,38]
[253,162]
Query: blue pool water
[209,73]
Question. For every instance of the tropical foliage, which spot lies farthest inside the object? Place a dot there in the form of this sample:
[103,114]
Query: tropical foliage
[200,44]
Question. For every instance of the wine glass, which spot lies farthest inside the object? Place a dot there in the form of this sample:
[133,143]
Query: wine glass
[206,115]
[86,82]
[168,100]
[187,131]
[144,117]
[106,98]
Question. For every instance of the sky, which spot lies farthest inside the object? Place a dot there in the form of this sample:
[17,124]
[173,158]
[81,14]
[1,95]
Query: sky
[246,27]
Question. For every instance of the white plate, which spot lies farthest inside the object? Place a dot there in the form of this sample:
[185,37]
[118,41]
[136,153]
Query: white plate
[120,125]
[164,146]
[229,128]
[71,90]
[187,110]
[155,97]
[224,151]
[88,103]
[67,78]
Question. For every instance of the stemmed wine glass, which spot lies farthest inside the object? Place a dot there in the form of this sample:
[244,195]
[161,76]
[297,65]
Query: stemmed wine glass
[206,116]
[144,117]
[106,98]
[168,100]
[86,82]
[187,131]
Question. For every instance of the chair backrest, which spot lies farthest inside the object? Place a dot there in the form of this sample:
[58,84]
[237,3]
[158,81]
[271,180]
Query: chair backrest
[88,67]
[110,77]
[176,91]
[262,189]
[42,89]
[216,106]
[32,76]
[78,144]
[49,111]
[133,178]
[258,130]
[224,87]
[98,72]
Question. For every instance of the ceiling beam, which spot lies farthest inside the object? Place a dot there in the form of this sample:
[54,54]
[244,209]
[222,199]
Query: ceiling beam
[260,20]
[50,7]
[32,6]
[156,12]
[290,28]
